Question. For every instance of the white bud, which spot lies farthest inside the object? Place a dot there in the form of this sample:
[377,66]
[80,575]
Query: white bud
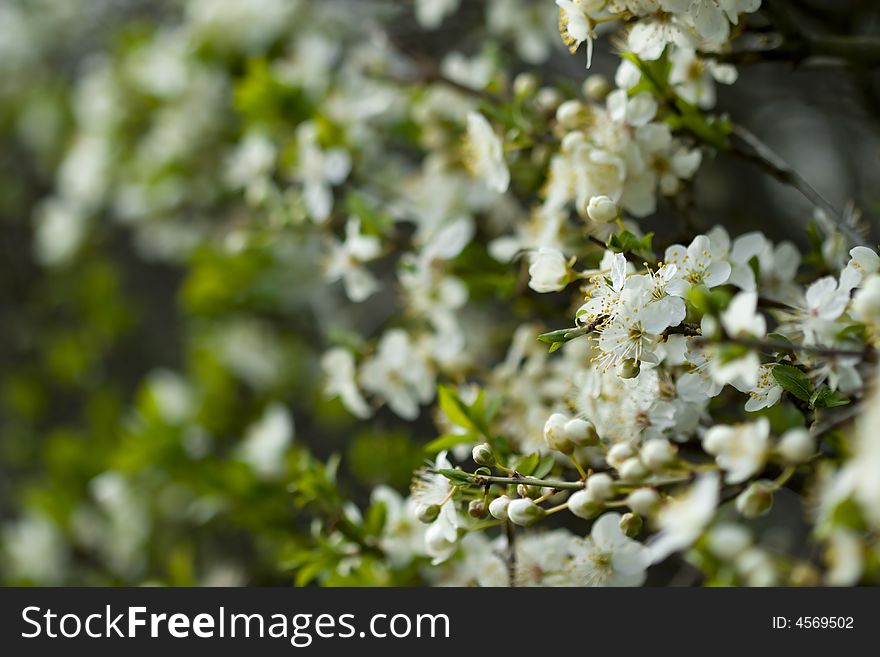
[548,98]
[572,140]
[618,454]
[630,524]
[797,446]
[601,486]
[658,453]
[728,540]
[584,505]
[581,432]
[525,84]
[427,513]
[644,501]
[498,507]
[570,114]
[548,271]
[482,455]
[756,500]
[628,368]
[632,470]
[596,87]
[555,435]
[602,209]
[524,512]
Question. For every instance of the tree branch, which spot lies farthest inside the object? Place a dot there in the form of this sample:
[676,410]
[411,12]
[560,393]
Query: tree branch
[749,147]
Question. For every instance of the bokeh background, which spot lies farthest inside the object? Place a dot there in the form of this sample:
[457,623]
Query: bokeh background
[160,337]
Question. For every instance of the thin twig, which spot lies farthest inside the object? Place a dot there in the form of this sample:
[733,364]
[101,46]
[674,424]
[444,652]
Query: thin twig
[778,345]
[511,553]
[748,146]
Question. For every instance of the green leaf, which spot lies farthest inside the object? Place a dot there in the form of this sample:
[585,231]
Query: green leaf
[544,467]
[527,465]
[448,441]
[454,408]
[793,381]
[374,520]
[455,475]
[829,399]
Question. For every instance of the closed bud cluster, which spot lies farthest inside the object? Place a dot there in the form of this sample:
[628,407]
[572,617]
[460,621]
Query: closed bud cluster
[555,434]
[498,507]
[618,454]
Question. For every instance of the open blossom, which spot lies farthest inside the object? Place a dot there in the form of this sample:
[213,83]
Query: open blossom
[548,271]
[576,24]
[433,489]
[694,77]
[682,521]
[740,450]
[319,170]
[485,153]
[339,370]
[607,557]
[398,374]
[346,260]
[700,263]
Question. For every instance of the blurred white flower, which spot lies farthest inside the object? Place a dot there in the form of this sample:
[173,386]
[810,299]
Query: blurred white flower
[486,154]
[683,519]
[267,440]
[741,449]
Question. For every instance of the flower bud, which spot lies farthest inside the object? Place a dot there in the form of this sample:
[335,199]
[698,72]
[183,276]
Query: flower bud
[631,524]
[628,368]
[727,540]
[525,84]
[555,434]
[596,87]
[477,509]
[524,513]
[584,505]
[657,453]
[570,113]
[756,500]
[581,432]
[572,141]
[797,446]
[600,486]
[618,454]
[632,470]
[498,507]
[548,271]
[602,210]
[524,490]
[482,455]
[548,99]
[427,513]
[644,501]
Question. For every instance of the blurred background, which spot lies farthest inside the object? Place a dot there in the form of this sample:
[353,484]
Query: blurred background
[161,409]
